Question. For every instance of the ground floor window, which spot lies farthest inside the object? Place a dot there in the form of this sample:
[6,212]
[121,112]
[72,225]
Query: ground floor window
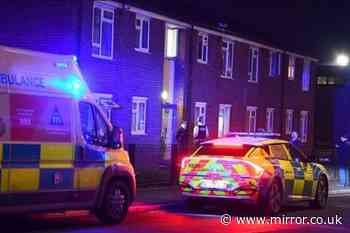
[269,119]
[289,121]
[224,119]
[200,110]
[304,124]
[138,119]
[251,119]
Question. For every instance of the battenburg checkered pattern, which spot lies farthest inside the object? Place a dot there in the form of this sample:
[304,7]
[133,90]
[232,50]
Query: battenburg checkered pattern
[33,167]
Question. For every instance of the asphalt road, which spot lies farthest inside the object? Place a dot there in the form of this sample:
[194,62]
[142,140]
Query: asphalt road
[176,218]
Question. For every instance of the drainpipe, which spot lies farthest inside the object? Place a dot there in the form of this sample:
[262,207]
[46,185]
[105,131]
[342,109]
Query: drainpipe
[282,98]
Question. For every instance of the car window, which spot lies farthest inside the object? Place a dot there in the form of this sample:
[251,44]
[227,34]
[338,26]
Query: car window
[101,128]
[87,122]
[213,150]
[295,153]
[278,151]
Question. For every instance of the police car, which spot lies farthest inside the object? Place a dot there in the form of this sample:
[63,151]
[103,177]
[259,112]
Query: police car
[261,171]
[58,151]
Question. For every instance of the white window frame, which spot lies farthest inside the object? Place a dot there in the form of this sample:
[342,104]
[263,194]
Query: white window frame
[226,122]
[200,105]
[228,67]
[304,126]
[103,8]
[140,28]
[289,121]
[171,44]
[138,100]
[279,59]
[291,67]
[250,110]
[204,37]
[252,50]
[306,75]
[270,112]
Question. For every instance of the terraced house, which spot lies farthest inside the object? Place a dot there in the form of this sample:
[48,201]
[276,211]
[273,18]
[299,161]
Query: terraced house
[150,72]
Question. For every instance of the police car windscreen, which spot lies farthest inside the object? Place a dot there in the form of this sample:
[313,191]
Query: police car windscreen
[216,150]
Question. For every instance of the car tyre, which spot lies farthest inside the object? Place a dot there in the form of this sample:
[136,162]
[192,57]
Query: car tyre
[321,195]
[115,203]
[271,205]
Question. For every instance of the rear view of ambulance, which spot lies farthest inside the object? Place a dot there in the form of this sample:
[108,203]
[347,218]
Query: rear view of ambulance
[58,151]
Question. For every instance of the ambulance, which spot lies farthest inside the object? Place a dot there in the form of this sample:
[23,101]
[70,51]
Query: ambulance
[58,151]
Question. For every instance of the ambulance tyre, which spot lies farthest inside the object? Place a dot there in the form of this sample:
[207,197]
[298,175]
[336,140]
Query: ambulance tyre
[115,205]
[321,196]
[271,204]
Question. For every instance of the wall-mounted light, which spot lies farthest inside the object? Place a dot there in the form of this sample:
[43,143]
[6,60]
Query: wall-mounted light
[165,96]
[342,60]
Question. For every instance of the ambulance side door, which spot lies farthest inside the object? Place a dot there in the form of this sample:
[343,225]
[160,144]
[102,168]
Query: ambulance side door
[91,158]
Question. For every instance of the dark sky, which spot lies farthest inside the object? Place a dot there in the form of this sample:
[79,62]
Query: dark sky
[319,28]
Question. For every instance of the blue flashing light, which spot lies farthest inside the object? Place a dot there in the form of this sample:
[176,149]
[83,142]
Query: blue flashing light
[71,85]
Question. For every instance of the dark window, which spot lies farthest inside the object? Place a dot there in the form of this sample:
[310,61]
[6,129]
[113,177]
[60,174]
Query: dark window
[296,154]
[234,151]
[87,122]
[101,128]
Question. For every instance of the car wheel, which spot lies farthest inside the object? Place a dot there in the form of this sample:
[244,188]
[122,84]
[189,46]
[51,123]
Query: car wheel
[321,196]
[115,203]
[272,204]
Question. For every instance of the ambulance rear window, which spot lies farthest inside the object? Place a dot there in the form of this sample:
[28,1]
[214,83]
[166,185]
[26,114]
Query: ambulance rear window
[216,150]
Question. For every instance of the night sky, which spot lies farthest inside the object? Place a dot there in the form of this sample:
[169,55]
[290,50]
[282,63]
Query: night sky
[318,28]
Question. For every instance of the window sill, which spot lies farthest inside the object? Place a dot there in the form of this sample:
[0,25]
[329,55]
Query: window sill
[226,77]
[290,78]
[102,57]
[142,50]
[202,62]
[252,81]
[138,134]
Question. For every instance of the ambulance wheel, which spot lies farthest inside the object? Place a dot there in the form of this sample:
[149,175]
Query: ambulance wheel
[321,196]
[115,203]
[273,202]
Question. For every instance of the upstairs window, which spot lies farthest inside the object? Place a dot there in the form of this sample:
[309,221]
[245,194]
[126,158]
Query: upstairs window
[142,25]
[102,31]
[202,48]
[253,66]
[306,75]
[138,119]
[291,67]
[251,119]
[275,63]
[269,120]
[227,52]
[171,42]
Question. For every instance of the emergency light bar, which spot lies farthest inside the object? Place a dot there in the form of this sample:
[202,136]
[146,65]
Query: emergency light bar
[253,134]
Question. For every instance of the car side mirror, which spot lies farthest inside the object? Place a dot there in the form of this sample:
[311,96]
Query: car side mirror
[116,138]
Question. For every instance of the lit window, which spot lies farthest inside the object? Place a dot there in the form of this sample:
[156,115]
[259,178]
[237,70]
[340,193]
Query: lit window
[102,31]
[269,120]
[251,119]
[291,67]
[289,121]
[227,52]
[253,64]
[304,123]
[171,42]
[275,63]
[142,25]
[306,76]
[138,119]
[200,110]
[224,119]
[202,48]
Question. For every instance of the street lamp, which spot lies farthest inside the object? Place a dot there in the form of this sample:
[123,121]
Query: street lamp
[342,60]
[165,96]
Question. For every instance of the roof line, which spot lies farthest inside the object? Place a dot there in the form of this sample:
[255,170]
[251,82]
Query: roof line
[199,28]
